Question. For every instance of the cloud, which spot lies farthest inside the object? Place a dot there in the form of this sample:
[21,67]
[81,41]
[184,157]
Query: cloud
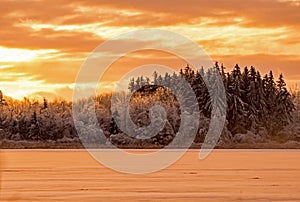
[258,12]
[264,33]
[23,55]
[82,25]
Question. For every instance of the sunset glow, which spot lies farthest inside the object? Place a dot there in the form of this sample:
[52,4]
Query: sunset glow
[43,44]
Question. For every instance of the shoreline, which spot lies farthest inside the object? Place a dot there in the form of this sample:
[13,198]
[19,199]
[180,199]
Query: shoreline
[6,145]
[148,150]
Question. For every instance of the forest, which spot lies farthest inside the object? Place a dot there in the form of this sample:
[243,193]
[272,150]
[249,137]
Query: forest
[260,111]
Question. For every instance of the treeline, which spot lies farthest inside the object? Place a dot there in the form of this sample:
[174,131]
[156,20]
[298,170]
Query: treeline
[35,120]
[253,101]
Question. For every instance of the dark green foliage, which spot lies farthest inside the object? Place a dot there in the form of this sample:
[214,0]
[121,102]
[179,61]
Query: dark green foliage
[252,102]
[113,127]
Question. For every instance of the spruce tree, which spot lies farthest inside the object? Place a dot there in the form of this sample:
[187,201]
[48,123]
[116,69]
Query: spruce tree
[252,101]
[155,77]
[131,86]
[283,105]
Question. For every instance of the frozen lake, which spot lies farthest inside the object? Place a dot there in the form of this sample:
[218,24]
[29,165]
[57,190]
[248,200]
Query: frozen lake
[226,175]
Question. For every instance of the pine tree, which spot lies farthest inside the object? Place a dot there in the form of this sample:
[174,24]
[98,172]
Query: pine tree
[252,97]
[270,93]
[137,83]
[155,77]
[260,100]
[113,127]
[281,85]
[236,106]
[160,80]
[167,80]
[283,106]
[245,95]
[33,133]
[45,104]
[252,102]
[148,81]
[142,82]
[131,86]
[223,75]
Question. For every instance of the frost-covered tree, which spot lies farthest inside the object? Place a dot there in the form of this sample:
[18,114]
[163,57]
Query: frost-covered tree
[252,101]
[131,85]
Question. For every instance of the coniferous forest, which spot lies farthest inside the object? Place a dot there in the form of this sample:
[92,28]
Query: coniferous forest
[260,111]
[253,101]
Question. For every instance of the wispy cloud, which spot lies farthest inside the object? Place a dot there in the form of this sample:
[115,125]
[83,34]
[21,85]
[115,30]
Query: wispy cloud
[48,41]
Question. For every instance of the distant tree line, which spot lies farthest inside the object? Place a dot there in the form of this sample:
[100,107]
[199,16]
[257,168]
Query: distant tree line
[35,120]
[253,101]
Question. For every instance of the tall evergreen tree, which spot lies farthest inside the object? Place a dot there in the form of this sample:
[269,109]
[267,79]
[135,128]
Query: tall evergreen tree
[131,86]
[155,77]
[138,83]
[283,106]
[252,101]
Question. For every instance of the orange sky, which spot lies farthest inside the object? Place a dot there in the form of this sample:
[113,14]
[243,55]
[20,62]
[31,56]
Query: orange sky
[43,43]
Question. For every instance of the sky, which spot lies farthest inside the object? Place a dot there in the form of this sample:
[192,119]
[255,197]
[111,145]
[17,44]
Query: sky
[43,44]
